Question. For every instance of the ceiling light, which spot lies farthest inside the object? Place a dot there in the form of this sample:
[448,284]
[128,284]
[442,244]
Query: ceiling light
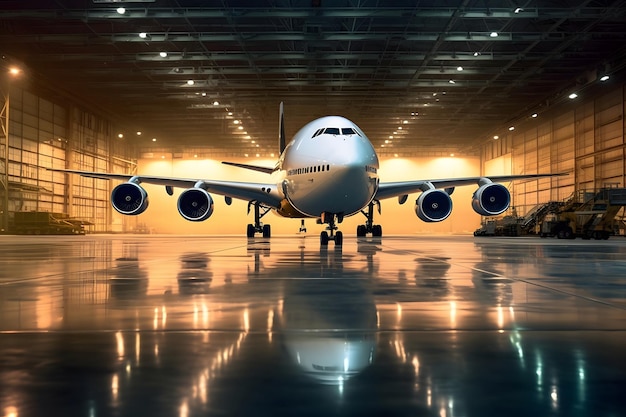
[518,10]
[451,82]
[120,135]
[257,155]
[395,155]
[459,68]
[534,115]
[163,54]
[195,156]
[240,127]
[153,139]
[476,53]
[405,122]
[14,70]
[203,94]
[245,154]
[512,128]
[190,82]
[236,122]
[121,10]
[496,137]
[399,127]
[604,78]
[493,34]
[143,35]
[216,103]
[390,137]
[386,140]
[138,133]
[253,141]
[272,155]
[573,96]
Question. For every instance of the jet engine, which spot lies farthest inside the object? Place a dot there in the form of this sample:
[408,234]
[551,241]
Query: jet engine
[195,204]
[433,206]
[129,198]
[491,199]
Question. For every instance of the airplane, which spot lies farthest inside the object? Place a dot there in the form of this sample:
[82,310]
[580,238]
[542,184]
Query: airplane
[328,171]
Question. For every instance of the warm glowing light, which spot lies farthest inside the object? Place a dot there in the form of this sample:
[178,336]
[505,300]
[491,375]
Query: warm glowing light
[10,411]
[236,122]
[390,137]
[115,386]
[138,133]
[153,139]
[604,78]
[120,135]
[203,94]
[405,122]
[534,115]
[496,137]
[573,96]
[119,338]
[190,82]
[216,103]
[512,128]
[14,71]
[452,155]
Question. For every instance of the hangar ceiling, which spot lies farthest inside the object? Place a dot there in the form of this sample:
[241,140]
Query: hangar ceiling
[450,73]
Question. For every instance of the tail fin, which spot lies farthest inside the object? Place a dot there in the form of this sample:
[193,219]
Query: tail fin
[281,129]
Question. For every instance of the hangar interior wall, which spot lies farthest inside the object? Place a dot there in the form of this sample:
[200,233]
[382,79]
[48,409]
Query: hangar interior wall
[584,140]
[43,134]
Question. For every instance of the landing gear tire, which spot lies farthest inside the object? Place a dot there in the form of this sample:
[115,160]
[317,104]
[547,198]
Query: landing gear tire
[369,227]
[251,230]
[338,239]
[377,230]
[324,238]
[361,231]
[267,231]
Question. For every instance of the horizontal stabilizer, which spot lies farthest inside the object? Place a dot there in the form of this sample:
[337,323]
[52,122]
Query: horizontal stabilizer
[265,170]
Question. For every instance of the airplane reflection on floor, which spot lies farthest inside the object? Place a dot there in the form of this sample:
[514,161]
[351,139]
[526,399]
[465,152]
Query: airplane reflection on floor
[420,326]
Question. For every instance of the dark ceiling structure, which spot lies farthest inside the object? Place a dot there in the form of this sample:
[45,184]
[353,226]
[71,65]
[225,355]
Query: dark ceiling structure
[414,75]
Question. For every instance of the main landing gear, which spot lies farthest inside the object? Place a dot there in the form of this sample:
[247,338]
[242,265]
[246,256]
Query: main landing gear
[369,227]
[325,236]
[258,227]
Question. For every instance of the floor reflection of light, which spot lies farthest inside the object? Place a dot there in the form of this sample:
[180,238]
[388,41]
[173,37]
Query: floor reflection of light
[10,411]
[156,318]
[500,319]
[246,320]
[115,385]
[453,314]
[119,338]
[270,324]
[163,316]
[137,346]
[183,411]
[555,397]
[416,365]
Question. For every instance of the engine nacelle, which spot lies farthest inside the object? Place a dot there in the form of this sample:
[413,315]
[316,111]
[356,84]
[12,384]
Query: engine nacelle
[195,204]
[433,206]
[129,198]
[491,199]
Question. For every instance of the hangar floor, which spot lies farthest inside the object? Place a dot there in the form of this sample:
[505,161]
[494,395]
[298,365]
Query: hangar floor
[415,326]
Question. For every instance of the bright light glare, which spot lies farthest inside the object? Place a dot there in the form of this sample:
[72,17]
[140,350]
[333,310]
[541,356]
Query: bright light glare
[604,78]
[163,54]
[14,70]
[573,96]
[121,10]
[493,34]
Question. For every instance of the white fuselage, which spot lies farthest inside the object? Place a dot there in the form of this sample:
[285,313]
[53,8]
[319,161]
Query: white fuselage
[331,167]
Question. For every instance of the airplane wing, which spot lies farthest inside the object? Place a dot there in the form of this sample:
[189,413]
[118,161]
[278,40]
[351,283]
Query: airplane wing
[403,188]
[264,193]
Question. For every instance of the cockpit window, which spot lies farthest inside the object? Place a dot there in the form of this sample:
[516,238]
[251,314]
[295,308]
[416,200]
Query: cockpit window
[318,132]
[335,131]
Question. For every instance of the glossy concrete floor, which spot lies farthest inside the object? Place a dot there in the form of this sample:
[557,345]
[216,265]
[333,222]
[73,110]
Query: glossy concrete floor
[225,326]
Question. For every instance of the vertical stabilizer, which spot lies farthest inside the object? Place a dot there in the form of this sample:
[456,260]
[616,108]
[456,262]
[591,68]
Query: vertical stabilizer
[281,129]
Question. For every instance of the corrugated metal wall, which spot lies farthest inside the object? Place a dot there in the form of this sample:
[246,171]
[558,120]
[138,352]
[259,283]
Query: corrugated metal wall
[585,140]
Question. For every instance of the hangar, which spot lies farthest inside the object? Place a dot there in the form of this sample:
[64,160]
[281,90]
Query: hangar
[175,87]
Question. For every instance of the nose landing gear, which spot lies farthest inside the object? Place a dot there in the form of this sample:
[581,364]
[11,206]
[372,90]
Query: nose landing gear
[325,236]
